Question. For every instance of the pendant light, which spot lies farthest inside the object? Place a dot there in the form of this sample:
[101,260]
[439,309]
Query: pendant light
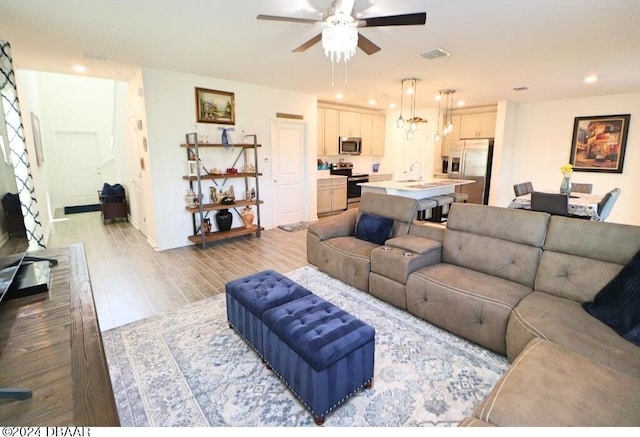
[409,86]
[400,121]
[437,137]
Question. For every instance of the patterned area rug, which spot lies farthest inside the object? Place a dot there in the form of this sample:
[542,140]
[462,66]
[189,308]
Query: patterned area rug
[294,226]
[188,368]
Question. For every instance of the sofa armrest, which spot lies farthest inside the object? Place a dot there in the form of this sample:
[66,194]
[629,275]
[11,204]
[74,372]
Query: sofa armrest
[432,231]
[341,225]
[415,244]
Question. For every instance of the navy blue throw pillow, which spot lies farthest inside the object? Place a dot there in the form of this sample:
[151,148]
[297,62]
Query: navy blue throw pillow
[374,228]
[618,303]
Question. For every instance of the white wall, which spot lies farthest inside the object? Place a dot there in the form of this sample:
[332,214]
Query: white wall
[537,142]
[170,113]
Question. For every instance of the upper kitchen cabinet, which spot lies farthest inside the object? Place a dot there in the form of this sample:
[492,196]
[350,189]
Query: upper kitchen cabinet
[335,121]
[327,132]
[372,132]
[481,125]
[349,124]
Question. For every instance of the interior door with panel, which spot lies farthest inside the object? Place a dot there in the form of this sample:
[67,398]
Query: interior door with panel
[78,160]
[288,172]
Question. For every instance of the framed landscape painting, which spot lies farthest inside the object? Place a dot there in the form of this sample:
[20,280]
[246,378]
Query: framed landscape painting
[599,143]
[215,106]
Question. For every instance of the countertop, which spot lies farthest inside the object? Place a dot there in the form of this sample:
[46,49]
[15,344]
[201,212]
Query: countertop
[325,174]
[414,188]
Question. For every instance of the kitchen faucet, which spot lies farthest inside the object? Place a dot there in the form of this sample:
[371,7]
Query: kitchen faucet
[413,167]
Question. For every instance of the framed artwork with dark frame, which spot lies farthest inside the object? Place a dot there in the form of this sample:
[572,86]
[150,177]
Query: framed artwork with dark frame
[215,106]
[599,143]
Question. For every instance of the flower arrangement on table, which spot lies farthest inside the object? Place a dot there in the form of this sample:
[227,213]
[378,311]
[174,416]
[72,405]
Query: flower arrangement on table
[565,186]
[566,169]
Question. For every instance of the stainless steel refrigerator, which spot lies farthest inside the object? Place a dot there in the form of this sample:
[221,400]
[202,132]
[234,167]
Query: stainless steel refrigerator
[471,160]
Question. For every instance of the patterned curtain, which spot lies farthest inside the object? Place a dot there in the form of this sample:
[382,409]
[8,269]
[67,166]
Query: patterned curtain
[18,146]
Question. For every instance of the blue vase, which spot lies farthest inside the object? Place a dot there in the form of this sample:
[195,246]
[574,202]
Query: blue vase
[225,137]
[565,186]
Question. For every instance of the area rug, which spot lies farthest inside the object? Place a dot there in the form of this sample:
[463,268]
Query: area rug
[188,368]
[294,226]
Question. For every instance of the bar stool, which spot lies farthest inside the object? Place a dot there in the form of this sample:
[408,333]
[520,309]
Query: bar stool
[442,201]
[459,197]
[423,206]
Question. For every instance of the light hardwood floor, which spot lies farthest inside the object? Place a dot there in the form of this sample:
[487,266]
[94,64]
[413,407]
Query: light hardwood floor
[131,281]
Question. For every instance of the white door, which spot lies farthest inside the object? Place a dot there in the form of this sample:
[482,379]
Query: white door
[78,160]
[138,159]
[288,172]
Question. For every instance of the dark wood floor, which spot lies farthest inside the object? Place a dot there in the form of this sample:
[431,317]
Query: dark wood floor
[132,281]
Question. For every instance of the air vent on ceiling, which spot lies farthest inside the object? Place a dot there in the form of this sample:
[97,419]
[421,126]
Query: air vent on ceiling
[434,53]
[95,55]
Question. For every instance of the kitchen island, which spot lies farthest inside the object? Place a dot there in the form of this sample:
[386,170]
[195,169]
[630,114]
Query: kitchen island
[415,188]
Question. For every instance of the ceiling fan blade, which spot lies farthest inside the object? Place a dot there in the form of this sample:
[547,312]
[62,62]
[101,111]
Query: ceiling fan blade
[367,45]
[289,19]
[394,20]
[316,39]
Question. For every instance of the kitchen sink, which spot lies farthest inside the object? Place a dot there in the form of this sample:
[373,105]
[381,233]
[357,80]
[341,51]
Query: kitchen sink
[423,186]
[409,180]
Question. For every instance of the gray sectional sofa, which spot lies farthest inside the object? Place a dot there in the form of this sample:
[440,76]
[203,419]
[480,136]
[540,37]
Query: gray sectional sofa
[512,281]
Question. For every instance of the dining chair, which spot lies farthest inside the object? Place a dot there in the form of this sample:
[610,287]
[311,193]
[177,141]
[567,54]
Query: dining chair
[556,204]
[523,188]
[606,204]
[581,188]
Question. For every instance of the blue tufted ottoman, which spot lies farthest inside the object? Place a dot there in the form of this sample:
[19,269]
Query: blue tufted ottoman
[249,297]
[321,352]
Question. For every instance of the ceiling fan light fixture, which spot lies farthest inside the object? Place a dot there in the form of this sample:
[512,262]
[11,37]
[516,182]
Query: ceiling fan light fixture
[340,37]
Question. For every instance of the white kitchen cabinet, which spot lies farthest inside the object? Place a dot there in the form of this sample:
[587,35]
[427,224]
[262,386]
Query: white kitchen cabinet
[332,195]
[320,143]
[372,134]
[478,125]
[378,132]
[329,129]
[349,125]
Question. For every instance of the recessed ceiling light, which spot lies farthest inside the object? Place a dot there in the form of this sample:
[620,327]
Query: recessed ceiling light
[460,102]
[79,68]
[339,96]
[591,79]
[392,105]
[437,97]
[372,102]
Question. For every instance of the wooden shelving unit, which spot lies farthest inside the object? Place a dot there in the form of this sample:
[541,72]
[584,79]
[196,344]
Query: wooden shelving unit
[200,212]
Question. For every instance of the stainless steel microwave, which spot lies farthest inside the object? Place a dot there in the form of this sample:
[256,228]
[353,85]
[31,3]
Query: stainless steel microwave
[349,145]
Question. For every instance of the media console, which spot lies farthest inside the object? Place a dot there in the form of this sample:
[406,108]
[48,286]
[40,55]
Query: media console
[21,276]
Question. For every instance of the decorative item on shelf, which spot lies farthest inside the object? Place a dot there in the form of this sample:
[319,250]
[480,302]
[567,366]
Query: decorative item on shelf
[232,170]
[227,201]
[249,168]
[214,197]
[207,226]
[225,135]
[565,185]
[215,170]
[247,216]
[224,218]
[253,193]
[190,198]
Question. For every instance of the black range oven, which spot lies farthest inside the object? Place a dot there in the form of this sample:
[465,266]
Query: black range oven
[354,190]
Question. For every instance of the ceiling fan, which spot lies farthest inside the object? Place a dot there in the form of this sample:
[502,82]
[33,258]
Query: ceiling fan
[345,8]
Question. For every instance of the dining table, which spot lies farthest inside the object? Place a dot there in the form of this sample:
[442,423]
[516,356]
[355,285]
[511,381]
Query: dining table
[580,204]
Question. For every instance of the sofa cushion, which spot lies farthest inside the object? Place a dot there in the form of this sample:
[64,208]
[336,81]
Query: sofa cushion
[549,385]
[471,304]
[565,322]
[373,228]
[618,303]
[402,210]
[497,241]
[347,259]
